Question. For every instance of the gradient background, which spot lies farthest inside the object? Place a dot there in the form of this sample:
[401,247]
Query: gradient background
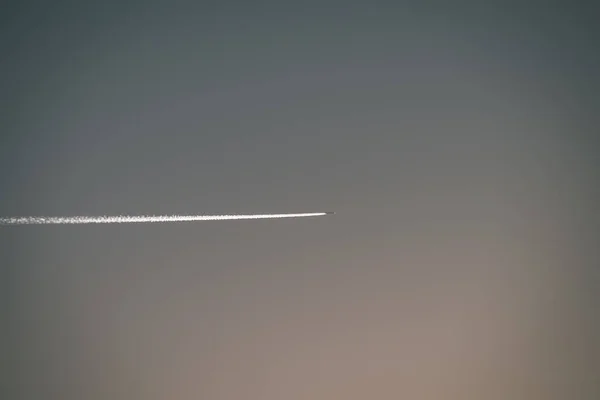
[458,146]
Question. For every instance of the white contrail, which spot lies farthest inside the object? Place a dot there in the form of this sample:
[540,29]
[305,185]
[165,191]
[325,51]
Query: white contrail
[122,219]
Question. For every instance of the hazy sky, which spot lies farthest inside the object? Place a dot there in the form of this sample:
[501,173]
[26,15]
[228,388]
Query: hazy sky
[458,146]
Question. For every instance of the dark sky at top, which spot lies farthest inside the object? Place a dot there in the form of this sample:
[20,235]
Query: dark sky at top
[457,145]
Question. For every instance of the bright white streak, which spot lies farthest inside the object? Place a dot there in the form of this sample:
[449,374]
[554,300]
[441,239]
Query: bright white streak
[123,219]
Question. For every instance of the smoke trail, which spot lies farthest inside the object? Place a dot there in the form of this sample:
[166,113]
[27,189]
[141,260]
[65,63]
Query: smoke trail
[122,219]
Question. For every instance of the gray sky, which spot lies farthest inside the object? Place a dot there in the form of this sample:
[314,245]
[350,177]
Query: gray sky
[457,146]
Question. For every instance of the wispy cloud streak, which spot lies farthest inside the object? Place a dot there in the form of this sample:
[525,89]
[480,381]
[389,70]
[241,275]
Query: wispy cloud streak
[125,219]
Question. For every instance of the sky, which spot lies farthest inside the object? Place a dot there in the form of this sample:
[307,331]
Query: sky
[457,145]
